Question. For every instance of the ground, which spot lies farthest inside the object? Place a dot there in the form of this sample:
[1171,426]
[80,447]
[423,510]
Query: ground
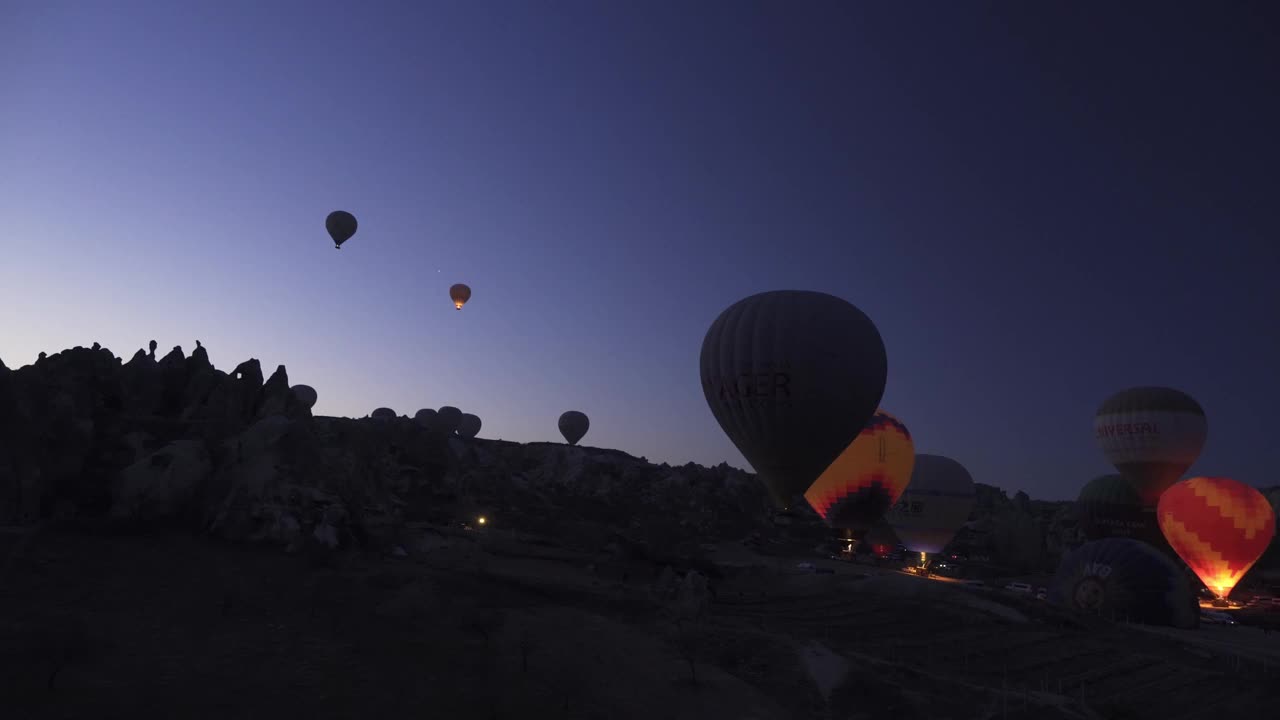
[172,626]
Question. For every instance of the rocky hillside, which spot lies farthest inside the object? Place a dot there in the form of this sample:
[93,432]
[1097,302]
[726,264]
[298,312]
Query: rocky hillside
[173,441]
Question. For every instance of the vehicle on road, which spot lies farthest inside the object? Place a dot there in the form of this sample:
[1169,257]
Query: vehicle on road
[1018,587]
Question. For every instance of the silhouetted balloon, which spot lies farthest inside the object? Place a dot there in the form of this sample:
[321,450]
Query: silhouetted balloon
[573,426]
[459,294]
[1109,506]
[341,226]
[306,395]
[383,414]
[468,425]
[792,377]
[1152,435]
[1218,526]
[936,503]
[1123,578]
[426,417]
[867,478]
[448,418]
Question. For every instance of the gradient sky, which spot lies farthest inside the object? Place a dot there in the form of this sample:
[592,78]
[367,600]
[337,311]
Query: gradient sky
[1037,205]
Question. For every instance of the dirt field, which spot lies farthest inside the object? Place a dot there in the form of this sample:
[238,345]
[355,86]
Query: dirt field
[127,627]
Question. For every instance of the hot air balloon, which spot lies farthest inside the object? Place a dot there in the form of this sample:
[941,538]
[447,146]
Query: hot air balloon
[341,226]
[1125,579]
[1218,526]
[468,425]
[306,395]
[383,414]
[448,419]
[869,476]
[935,504]
[792,377]
[1109,506]
[459,294]
[426,418]
[573,425]
[1152,435]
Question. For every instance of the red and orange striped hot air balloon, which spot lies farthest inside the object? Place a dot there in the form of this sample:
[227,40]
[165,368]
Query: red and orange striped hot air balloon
[1218,526]
[867,478]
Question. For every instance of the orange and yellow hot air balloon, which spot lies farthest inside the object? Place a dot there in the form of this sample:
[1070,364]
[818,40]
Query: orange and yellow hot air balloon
[867,478]
[1218,526]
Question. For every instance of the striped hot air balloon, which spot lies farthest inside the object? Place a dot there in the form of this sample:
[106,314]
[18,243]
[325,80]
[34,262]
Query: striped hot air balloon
[867,478]
[1218,526]
[1151,435]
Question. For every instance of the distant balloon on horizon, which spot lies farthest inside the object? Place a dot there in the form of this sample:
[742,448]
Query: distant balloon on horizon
[306,395]
[468,426]
[792,376]
[383,413]
[341,226]
[448,418]
[459,294]
[573,426]
[1152,435]
[426,418]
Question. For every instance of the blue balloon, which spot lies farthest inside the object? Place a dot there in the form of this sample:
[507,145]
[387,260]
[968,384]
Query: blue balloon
[1125,579]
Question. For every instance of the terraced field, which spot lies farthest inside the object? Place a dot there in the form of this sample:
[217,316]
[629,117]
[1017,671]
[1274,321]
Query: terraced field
[1109,672]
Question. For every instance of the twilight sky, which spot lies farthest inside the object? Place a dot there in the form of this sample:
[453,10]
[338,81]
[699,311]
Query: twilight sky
[1037,205]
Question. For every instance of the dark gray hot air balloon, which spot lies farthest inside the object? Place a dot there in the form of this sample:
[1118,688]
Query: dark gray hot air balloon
[459,294]
[936,503]
[468,425]
[341,226]
[383,414]
[792,376]
[573,425]
[306,395]
[426,417]
[448,418]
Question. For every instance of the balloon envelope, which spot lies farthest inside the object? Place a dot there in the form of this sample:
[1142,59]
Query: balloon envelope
[935,504]
[306,395]
[1218,526]
[792,377]
[459,294]
[468,425]
[1151,435]
[425,417]
[1109,506]
[341,226]
[867,478]
[383,414]
[1123,578]
[573,426]
[448,418]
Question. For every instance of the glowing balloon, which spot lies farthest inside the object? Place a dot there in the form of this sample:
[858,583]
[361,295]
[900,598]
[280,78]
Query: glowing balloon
[792,377]
[468,425]
[573,425]
[306,395]
[459,294]
[1152,435]
[448,418]
[383,414]
[1125,579]
[341,226]
[868,477]
[426,417]
[1218,526]
[936,503]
